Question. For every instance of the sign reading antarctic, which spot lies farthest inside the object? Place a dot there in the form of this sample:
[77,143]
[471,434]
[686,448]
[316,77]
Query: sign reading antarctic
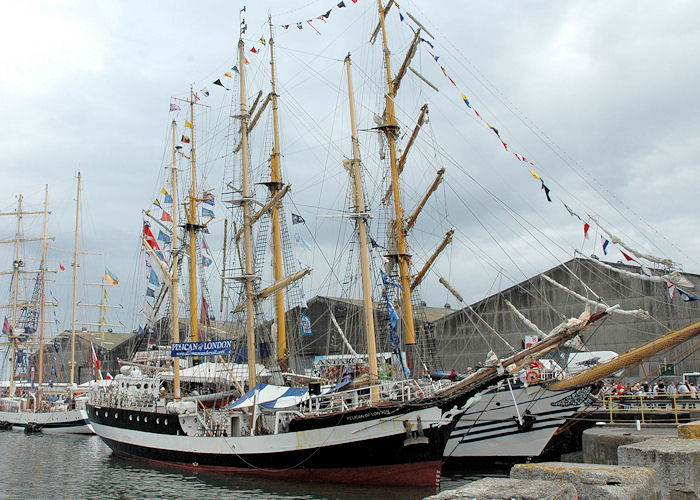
[211,348]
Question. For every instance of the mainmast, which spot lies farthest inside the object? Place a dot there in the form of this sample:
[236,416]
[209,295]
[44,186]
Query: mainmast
[275,185]
[174,277]
[246,200]
[361,224]
[42,322]
[75,287]
[401,256]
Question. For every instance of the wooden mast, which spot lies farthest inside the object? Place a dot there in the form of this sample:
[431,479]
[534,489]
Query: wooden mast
[15,295]
[361,224]
[75,288]
[44,252]
[275,185]
[174,277]
[402,257]
[247,229]
[192,234]
[628,358]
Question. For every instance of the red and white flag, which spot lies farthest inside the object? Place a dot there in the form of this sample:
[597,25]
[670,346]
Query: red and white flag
[671,289]
[95,361]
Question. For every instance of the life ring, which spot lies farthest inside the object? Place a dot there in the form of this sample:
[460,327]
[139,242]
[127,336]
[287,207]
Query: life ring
[532,376]
[419,389]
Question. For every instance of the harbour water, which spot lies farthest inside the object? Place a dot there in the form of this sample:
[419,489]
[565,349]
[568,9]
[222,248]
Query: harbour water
[65,466]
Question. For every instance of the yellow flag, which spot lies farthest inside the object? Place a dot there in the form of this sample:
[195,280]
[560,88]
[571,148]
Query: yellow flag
[228,73]
[188,124]
[534,174]
[262,40]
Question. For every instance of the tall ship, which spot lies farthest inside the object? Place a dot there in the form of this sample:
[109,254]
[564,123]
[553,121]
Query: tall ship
[233,395]
[35,399]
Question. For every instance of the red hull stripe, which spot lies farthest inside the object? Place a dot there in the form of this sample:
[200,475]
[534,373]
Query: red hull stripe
[415,474]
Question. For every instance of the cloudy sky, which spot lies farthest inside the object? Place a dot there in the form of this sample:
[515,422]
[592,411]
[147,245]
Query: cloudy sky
[599,95]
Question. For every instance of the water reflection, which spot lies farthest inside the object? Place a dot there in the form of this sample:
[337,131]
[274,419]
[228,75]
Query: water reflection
[64,466]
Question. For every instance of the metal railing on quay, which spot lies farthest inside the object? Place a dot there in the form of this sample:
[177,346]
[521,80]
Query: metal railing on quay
[649,404]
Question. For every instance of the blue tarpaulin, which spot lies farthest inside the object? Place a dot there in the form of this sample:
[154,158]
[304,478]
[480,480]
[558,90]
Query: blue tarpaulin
[271,396]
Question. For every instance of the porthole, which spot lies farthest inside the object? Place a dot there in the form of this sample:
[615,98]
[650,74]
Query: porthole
[145,419]
[157,420]
[131,417]
[106,414]
[145,386]
[116,416]
[138,418]
[165,422]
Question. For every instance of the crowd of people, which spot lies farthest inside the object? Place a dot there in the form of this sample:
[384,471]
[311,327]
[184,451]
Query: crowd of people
[658,388]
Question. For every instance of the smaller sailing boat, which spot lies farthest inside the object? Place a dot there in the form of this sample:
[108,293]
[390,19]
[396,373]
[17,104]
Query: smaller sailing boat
[52,407]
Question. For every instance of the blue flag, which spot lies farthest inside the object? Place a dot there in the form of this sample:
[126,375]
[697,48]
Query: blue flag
[297,219]
[389,281]
[150,292]
[153,278]
[686,296]
[300,240]
[393,316]
[306,325]
[164,237]
[207,213]
[606,242]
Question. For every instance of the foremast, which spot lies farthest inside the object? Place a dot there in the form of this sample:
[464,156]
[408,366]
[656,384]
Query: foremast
[361,226]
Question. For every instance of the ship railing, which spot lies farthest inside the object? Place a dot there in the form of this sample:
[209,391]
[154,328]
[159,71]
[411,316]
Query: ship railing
[397,391]
[647,405]
[121,399]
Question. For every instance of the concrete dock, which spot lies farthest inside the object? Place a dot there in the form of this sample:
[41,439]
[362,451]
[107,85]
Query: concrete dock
[655,462]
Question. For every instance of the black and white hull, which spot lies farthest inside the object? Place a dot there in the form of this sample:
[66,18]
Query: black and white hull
[494,427]
[53,422]
[392,443]
[367,447]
